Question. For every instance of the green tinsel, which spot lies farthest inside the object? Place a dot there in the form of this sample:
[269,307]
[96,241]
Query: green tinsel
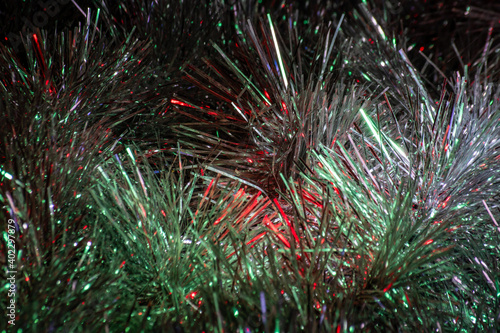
[256,166]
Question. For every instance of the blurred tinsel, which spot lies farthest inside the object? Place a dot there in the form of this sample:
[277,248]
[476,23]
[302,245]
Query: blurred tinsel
[251,166]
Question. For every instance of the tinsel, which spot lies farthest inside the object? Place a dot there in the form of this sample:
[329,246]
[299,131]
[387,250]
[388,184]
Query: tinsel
[256,166]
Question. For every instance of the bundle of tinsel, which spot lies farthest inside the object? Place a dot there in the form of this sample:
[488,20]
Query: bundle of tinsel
[250,166]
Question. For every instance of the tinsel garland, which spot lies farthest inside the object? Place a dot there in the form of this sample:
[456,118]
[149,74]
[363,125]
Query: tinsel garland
[256,166]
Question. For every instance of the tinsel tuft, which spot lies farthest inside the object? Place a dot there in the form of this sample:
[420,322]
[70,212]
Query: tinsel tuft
[256,166]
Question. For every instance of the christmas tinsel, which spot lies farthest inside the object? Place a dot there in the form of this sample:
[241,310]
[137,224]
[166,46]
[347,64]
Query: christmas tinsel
[250,166]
